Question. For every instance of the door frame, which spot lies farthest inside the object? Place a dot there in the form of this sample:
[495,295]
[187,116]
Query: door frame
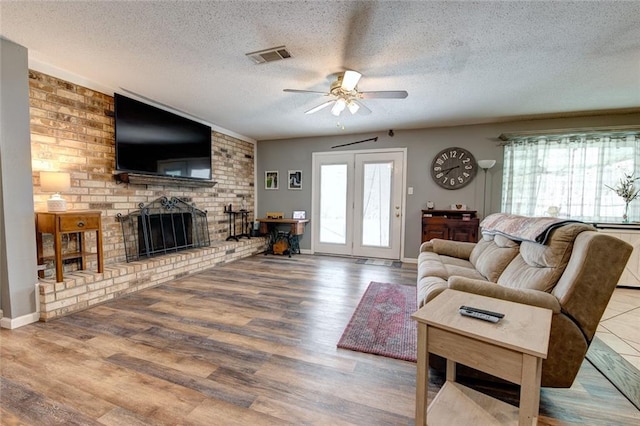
[314,197]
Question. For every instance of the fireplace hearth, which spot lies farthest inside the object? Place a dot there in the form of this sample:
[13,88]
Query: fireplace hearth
[166,225]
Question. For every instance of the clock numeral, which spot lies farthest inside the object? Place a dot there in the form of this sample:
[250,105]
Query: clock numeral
[444,180]
[437,168]
[453,154]
[445,156]
[468,167]
[460,179]
[439,175]
[439,161]
[465,174]
[466,160]
[452,182]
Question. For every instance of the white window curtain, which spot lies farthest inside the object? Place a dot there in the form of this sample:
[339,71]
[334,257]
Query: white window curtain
[568,176]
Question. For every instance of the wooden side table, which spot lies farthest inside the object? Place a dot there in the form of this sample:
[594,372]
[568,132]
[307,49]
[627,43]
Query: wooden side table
[512,349]
[58,223]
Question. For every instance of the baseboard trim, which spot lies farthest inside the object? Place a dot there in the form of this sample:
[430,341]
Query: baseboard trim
[12,323]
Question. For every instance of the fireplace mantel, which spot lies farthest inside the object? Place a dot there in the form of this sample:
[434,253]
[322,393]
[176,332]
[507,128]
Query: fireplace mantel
[144,179]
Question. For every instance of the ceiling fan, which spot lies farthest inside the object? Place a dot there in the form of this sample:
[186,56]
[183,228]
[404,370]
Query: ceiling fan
[346,95]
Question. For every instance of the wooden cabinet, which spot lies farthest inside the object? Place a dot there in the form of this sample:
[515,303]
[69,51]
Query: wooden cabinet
[457,225]
[66,223]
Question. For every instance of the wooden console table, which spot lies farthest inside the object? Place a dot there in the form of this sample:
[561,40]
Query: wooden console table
[296,225]
[458,225]
[512,349]
[296,229]
[58,223]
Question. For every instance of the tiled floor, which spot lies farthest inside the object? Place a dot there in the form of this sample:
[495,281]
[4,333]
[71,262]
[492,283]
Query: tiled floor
[620,324]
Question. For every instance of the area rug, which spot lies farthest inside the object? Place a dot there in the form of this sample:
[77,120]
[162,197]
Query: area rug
[380,262]
[382,324]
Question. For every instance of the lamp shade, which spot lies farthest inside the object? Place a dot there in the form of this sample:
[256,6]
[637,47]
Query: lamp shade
[55,181]
[486,164]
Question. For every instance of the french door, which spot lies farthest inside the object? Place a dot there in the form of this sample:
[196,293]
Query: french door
[358,203]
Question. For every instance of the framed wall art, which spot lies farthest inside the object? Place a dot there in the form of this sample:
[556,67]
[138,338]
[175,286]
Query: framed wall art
[295,179]
[271,179]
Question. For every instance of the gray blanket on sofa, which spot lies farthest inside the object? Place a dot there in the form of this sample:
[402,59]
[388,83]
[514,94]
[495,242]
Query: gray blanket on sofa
[522,228]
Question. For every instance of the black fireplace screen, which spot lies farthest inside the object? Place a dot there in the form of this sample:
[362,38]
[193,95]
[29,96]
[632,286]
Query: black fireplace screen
[163,226]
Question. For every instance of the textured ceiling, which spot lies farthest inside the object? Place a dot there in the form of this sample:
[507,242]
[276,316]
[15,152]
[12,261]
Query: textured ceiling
[461,62]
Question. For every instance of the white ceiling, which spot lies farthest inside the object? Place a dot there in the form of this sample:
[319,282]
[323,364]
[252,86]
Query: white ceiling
[461,62]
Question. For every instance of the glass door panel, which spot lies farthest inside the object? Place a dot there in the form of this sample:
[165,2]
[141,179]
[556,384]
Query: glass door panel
[333,203]
[376,204]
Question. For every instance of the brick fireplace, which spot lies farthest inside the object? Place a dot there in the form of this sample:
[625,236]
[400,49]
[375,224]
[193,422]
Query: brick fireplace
[72,130]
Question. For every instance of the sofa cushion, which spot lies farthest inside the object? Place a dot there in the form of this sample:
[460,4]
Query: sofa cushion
[428,288]
[492,260]
[454,261]
[434,265]
[486,241]
[539,266]
[429,264]
[457,249]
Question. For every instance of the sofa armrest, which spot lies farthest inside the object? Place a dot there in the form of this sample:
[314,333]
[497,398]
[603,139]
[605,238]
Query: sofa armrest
[426,246]
[458,249]
[519,295]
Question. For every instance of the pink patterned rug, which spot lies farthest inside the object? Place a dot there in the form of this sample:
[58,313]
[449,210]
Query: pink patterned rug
[382,324]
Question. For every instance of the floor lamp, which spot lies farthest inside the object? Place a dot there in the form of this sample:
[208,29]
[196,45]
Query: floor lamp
[485,165]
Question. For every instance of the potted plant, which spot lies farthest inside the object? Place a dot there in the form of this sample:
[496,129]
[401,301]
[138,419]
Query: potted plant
[627,191]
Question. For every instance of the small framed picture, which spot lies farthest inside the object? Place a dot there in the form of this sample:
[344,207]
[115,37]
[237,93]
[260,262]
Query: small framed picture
[295,179]
[299,214]
[271,179]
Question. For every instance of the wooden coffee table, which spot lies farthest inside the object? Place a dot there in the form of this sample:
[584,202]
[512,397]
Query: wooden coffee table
[512,349]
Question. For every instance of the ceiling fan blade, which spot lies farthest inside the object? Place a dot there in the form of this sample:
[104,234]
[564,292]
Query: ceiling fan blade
[350,80]
[305,91]
[388,94]
[319,107]
[363,109]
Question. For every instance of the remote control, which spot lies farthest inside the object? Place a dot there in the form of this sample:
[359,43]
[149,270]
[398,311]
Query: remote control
[482,311]
[479,315]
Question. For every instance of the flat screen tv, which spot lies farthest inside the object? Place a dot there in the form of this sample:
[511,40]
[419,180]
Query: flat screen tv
[150,140]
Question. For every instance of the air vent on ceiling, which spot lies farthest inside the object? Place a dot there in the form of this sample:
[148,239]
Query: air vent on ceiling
[269,55]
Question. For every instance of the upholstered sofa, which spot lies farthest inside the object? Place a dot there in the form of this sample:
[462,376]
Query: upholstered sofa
[564,266]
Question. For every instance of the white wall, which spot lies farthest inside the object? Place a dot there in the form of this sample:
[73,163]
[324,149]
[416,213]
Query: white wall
[18,275]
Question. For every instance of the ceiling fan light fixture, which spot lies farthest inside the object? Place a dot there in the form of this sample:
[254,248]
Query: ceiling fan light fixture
[353,107]
[350,80]
[338,107]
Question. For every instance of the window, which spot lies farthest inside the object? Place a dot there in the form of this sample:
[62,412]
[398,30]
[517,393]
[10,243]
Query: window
[567,175]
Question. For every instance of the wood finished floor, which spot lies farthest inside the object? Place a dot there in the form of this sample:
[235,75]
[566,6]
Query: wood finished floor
[252,342]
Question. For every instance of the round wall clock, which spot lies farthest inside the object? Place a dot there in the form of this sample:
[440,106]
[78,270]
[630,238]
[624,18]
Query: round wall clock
[453,168]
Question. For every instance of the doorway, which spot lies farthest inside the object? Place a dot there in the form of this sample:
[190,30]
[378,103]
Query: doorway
[358,203]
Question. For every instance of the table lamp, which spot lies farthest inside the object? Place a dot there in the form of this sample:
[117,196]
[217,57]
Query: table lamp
[56,182]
